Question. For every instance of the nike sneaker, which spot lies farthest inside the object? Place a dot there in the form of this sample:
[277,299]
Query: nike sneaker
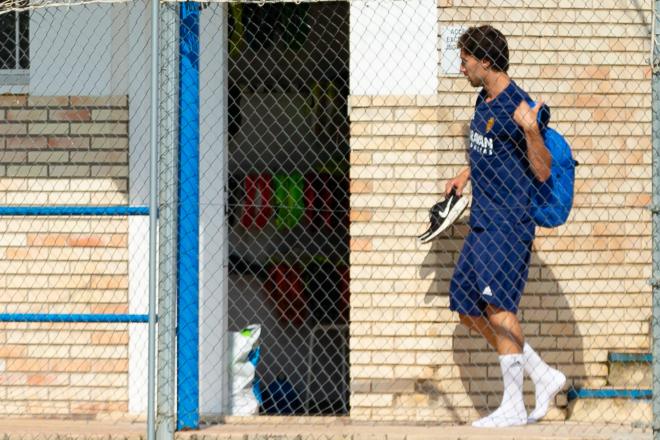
[443,214]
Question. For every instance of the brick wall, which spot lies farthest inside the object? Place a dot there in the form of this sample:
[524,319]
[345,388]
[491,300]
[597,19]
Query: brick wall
[587,294]
[63,151]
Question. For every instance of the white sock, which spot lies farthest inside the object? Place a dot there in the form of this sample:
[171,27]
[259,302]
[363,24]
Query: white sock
[512,409]
[547,382]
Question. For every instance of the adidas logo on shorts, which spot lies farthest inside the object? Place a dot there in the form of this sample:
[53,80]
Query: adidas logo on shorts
[487,291]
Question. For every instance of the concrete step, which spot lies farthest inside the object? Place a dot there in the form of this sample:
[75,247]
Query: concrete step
[630,370]
[630,407]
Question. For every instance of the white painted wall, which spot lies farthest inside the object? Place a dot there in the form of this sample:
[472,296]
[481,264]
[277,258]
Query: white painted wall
[138,67]
[213,284]
[76,51]
[393,47]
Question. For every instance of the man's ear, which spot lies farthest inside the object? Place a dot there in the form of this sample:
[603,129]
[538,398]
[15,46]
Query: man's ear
[486,64]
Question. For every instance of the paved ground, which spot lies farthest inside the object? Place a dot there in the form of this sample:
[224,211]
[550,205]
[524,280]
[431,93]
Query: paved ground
[312,429]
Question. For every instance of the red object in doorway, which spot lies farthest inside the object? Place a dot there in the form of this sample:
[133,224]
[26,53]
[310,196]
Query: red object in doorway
[287,290]
[257,185]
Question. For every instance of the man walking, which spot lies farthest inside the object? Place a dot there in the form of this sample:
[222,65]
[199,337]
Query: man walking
[506,153]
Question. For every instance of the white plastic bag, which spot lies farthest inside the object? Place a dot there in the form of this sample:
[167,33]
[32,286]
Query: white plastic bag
[244,354]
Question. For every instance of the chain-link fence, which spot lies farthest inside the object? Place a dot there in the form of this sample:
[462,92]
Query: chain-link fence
[301,146]
[74,195]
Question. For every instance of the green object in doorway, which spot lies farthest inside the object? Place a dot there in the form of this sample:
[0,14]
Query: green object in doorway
[288,199]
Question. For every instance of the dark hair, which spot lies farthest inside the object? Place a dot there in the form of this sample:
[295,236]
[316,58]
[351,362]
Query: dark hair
[486,43]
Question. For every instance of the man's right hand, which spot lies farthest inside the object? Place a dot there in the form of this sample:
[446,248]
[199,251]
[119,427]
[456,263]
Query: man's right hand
[458,182]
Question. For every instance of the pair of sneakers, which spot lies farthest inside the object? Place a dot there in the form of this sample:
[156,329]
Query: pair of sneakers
[443,214]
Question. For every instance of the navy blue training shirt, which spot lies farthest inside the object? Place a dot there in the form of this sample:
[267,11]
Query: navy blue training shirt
[499,170]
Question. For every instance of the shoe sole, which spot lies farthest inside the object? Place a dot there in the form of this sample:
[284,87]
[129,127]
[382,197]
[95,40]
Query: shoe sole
[458,209]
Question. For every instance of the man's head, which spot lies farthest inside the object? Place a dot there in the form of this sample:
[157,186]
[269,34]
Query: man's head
[483,50]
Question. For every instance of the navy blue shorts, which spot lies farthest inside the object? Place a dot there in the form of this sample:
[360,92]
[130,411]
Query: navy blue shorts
[492,269]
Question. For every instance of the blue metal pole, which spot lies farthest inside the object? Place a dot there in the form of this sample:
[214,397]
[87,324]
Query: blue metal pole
[188,227]
[74,210]
[72,317]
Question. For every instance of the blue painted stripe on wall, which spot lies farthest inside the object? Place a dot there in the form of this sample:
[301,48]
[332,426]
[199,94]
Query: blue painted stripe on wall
[74,210]
[630,357]
[188,227]
[586,393]
[75,317]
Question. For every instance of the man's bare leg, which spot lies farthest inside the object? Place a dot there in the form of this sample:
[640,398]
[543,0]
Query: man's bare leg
[481,325]
[502,331]
[508,333]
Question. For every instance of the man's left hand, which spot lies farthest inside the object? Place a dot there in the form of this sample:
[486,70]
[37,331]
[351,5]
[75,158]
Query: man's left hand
[526,116]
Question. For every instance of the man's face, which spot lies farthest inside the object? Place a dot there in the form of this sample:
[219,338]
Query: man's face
[473,69]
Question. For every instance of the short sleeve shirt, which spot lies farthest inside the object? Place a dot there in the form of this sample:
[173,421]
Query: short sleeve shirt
[499,170]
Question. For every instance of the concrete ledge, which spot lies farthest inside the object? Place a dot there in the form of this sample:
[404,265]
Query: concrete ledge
[29,429]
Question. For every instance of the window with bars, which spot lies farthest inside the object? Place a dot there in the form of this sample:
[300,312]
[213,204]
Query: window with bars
[14,39]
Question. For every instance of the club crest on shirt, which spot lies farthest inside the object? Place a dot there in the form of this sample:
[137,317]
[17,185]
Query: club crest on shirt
[489,124]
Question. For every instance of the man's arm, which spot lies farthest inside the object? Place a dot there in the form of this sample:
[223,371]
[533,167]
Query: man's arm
[459,182]
[538,155]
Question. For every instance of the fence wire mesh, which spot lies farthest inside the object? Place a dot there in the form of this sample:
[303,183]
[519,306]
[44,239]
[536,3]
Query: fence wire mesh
[302,147]
[73,256]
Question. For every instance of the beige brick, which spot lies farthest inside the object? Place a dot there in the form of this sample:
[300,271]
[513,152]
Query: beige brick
[372,400]
[12,157]
[49,185]
[97,184]
[19,143]
[27,171]
[359,101]
[99,101]
[48,351]
[99,128]
[113,143]
[48,129]
[48,156]
[99,380]
[12,128]
[27,393]
[393,101]
[48,101]
[69,199]
[99,352]
[27,115]
[393,129]
[372,114]
[109,171]
[69,170]
[13,100]
[68,142]
[106,338]
[387,357]
[70,115]
[100,157]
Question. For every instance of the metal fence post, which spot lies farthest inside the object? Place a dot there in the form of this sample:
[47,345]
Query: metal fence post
[166,392]
[655,208]
[153,223]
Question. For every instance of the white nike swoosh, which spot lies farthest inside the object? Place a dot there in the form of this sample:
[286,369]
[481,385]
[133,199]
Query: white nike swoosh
[446,211]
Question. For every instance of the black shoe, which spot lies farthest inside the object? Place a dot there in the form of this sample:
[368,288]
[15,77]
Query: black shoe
[443,214]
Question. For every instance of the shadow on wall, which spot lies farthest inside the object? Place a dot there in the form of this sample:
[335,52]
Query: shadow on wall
[472,386]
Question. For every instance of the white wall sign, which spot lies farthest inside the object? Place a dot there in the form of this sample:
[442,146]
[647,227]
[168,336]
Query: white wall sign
[451,55]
